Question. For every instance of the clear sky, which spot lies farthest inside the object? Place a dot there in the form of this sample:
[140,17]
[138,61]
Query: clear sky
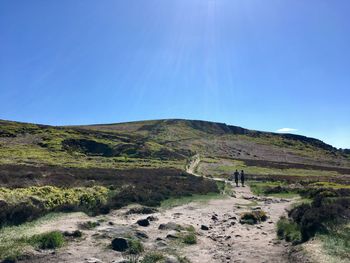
[260,64]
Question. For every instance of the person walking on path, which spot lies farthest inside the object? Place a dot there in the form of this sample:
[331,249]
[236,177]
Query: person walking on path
[236,174]
[242,178]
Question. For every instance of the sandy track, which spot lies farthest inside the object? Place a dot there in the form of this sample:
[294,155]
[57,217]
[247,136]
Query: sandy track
[226,241]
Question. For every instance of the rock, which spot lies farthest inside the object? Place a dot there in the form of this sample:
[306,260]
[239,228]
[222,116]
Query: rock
[152,218]
[214,217]
[120,244]
[161,244]
[74,234]
[143,222]
[170,226]
[110,223]
[93,260]
[116,231]
[204,227]
[141,235]
[233,223]
[172,234]
[171,259]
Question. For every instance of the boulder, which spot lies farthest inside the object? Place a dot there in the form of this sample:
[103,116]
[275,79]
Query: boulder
[120,244]
[170,226]
[143,222]
[172,234]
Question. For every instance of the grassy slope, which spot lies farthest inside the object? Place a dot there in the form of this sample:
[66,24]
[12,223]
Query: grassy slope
[155,143]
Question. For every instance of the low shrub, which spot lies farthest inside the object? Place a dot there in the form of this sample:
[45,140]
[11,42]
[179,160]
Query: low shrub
[253,217]
[326,211]
[289,231]
[50,240]
[135,246]
[189,238]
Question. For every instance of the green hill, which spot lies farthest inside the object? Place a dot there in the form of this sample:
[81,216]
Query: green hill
[160,143]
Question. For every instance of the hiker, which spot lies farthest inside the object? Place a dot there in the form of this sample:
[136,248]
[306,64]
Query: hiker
[242,178]
[236,174]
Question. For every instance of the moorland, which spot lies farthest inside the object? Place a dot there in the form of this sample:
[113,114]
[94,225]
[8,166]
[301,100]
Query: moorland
[56,179]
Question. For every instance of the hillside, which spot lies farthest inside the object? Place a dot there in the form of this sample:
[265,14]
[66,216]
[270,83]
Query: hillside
[161,143]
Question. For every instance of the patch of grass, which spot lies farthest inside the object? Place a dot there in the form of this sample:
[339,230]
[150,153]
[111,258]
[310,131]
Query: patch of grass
[337,243]
[135,246]
[189,238]
[259,188]
[50,240]
[289,231]
[253,217]
[25,204]
[172,202]
[330,185]
[89,225]
[226,167]
[152,257]
[14,240]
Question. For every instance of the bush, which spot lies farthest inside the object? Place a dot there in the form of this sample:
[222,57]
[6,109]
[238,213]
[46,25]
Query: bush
[322,213]
[190,238]
[50,240]
[289,231]
[253,217]
[135,246]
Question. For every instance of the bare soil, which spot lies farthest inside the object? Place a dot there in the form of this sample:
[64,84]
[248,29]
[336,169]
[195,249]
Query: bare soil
[226,240]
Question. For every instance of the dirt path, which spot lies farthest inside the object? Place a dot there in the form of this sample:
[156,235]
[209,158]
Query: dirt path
[226,240]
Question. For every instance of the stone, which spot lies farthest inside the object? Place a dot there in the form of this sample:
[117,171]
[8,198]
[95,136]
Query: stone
[170,226]
[171,259]
[120,244]
[204,227]
[152,218]
[172,234]
[141,235]
[214,217]
[93,260]
[143,222]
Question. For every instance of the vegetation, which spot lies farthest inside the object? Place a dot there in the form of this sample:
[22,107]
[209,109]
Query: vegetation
[152,257]
[19,205]
[15,240]
[135,246]
[190,238]
[337,243]
[329,210]
[25,204]
[253,217]
[289,230]
[50,240]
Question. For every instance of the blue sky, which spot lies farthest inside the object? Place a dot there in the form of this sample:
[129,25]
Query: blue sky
[260,64]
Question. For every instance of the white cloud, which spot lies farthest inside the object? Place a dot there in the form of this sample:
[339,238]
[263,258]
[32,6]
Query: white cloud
[287,130]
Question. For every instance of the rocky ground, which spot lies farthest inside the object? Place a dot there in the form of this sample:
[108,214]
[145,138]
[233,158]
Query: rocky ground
[220,235]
